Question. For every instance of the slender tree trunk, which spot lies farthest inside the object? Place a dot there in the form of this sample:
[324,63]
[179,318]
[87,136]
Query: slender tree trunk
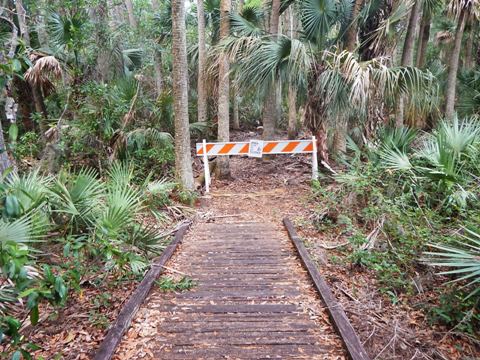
[270,105]
[351,35]
[235,98]
[22,21]
[183,160]
[10,105]
[453,66]
[236,111]
[407,55]
[155,5]
[131,14]
[116,14]
[100,14]
[340,136]
[292,112]
[469,63]
[341,126]
[158,67]
[202,56]
[423,40]
[292,91]
[42,26]
[223,113]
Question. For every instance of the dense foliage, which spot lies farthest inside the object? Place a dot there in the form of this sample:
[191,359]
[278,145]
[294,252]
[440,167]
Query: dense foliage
[91,86]
[416,201]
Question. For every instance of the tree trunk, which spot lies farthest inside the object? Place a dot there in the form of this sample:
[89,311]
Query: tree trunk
[116,14]
[270,105]
[42,27]
[423,40]
[40,108]
[340,137]
[407,54]
[155,5]
[235,98]
[131,15]
[158,67]
[453,66]
[223,113]
[102,68]
[292,112]
[292,91]
[351,35]
[236,112]
[183,160]
[10,114]
[469,63]
[202,56]
[10,105]
[22,21]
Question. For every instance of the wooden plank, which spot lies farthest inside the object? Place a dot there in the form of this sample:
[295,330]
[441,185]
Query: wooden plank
[349,337]
[242,352]
[114,336]
[229,309]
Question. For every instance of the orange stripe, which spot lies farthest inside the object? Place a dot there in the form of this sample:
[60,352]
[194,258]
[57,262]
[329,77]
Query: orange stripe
[309,147]
[226,148]
[209,147]
[269,147]
[244,149]
[291,146]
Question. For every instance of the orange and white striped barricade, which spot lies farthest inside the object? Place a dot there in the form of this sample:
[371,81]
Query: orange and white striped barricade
[257,148]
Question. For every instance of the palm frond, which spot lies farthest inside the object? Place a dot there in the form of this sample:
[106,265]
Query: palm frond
[120,175]
[21,231]
[463,258]
[248,23]
[395,159]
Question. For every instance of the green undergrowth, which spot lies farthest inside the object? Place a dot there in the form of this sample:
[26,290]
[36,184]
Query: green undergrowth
[166,283]
[409,210]
[62,233]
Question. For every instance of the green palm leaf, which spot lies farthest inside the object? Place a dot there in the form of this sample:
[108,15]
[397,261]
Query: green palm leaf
[463,258]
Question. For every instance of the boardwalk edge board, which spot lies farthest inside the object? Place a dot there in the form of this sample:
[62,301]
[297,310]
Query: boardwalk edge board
[349,337]
[114,336]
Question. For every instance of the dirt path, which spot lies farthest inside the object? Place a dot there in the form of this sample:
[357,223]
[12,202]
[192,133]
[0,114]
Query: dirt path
[252,299]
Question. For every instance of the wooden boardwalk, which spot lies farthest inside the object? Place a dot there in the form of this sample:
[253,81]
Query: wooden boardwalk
[252,300]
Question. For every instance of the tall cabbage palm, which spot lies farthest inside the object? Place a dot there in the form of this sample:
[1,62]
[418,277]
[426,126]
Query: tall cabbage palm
[461,10]
[338,85]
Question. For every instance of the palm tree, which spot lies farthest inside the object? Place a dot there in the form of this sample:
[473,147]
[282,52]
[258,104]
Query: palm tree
[407,54]
[270,104]
[223,113]
[461,9]
[202,53]
[22,21]
[102,68]
[292,91]
[235,98]
[131,15]
[430,8]
[351,34]
[183,161]
[7,51]
[341,125]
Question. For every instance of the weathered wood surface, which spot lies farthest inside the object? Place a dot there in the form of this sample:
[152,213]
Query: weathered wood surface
[352,343]
[252,300]
[114,336]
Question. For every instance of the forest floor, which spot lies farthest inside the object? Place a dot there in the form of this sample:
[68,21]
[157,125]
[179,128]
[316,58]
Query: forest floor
[269,191]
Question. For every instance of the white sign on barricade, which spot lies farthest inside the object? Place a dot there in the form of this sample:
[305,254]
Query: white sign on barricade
[257,148]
